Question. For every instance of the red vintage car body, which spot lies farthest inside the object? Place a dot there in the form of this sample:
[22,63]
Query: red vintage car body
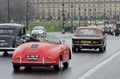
[41,54]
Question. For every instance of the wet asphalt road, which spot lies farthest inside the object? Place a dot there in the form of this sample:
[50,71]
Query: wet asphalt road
[79,65]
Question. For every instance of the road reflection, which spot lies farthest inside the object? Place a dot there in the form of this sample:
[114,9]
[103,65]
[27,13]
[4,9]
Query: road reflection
[41,73]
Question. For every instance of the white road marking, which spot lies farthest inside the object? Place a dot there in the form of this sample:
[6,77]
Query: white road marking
[91,71]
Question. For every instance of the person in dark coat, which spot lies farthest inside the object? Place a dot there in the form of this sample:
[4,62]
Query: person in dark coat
[32,38]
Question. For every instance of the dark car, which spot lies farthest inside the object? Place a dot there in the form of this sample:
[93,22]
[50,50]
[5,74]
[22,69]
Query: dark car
[107,30]
[88,38]
[117,29]
[10,34]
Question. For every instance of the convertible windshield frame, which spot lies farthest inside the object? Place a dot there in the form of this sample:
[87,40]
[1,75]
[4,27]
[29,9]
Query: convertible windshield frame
[50,39]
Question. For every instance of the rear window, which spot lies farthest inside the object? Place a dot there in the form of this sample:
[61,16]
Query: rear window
[87,32]
[6,31]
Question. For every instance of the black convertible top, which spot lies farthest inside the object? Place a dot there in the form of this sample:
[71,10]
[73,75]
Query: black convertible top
[17,27]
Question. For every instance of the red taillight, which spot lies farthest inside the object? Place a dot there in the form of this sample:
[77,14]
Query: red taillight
[76,41]
[95,42]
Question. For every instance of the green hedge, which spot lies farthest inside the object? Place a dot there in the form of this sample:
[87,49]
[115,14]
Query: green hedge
[53,26]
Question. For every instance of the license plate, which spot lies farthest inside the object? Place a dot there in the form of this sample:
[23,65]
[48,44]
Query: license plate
[85,42]
[107,30]
[32,57]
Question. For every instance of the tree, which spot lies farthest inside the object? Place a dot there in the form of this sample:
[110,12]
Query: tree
[17,10]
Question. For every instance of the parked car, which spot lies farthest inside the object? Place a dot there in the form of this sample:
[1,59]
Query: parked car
[88,38]
[40,30]
[50,51]
[108,30]
[117,29]
[10,34]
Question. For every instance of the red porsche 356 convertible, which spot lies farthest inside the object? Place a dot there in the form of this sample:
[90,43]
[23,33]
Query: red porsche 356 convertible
[50,51]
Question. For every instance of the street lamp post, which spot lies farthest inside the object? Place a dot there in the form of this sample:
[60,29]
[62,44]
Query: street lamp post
[27,5]
[79,16]
[104,17]
[63,15]
[95,15]
[72,18]
[115,16]
[8,11]
[90,15]
[59,17]
[85,16]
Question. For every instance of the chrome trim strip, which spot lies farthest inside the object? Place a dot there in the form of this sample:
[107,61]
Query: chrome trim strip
[7,48]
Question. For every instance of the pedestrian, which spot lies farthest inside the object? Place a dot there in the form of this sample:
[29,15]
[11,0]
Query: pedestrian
[33,38]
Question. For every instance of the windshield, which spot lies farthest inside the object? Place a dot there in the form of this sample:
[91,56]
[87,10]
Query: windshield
[6,31]
[38,28]
[49,39]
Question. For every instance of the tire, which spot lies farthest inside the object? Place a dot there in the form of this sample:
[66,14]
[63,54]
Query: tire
[5,53]
[105,48]
[58,66]
[73,49]
[112,34]
[66,64]
[101,49]
[116,34]
[16,67]
[79,50]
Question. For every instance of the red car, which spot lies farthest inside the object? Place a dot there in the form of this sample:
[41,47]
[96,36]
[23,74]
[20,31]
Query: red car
[50,51]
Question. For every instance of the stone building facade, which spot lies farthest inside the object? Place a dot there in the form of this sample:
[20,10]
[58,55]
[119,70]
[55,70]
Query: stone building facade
[77,8]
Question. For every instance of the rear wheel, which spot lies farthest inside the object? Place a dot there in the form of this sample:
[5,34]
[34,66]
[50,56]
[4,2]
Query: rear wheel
[73,49]
[112,34]
[79,50]
[16,67]
[105,48]
[66,64]
[58,66]
[101,49]
[116,34]
[5,53]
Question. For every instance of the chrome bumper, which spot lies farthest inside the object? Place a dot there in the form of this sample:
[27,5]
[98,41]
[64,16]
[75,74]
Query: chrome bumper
[7,48]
